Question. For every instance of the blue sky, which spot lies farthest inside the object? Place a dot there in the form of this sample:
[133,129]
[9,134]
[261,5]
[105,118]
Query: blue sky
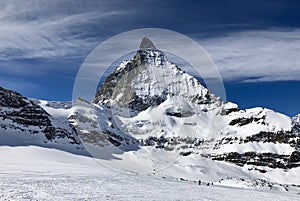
[255,44]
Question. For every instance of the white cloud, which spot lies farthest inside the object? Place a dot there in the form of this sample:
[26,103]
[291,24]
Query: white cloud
[256,56]
[44,29]
[57,29]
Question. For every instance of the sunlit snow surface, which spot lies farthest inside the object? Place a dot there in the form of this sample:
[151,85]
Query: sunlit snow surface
[34,173]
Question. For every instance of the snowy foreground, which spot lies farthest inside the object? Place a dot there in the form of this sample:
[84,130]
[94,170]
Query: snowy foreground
[35,173]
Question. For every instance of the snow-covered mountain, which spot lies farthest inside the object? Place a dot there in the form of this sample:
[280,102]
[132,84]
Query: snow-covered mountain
[150,113]
[149,101]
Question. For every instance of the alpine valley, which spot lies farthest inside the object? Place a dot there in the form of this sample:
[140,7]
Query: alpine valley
[149,116]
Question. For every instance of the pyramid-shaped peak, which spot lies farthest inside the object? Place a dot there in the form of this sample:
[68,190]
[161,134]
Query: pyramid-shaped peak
[147,44]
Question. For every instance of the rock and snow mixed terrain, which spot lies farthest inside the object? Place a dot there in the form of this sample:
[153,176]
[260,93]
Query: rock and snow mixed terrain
[25,121]
[148,117]
[297,119]
[148,102]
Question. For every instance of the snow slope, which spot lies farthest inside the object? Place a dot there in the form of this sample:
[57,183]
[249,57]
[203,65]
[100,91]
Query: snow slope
[34,173]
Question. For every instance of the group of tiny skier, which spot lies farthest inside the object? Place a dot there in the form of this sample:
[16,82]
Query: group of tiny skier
[207,184]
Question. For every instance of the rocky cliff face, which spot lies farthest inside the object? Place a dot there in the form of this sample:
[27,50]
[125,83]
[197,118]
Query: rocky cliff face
[22,118]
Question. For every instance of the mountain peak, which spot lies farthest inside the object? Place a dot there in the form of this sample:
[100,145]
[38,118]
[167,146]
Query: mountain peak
[146,43]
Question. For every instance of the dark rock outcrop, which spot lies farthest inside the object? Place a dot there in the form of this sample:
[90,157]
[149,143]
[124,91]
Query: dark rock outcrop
[20,113]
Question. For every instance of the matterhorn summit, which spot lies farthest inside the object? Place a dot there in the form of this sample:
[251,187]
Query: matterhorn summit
[149,79]
[147,44]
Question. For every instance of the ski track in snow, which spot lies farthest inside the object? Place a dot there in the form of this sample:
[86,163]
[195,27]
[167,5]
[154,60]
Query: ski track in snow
[34,173]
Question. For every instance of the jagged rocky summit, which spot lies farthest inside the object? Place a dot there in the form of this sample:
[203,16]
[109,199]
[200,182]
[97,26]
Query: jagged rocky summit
[146,44]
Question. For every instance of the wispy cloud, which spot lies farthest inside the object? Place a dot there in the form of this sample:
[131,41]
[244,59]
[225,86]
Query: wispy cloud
[255,56]
[48,29]
[64,29]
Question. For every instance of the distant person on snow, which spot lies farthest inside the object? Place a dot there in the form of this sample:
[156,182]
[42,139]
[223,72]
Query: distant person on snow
[199,182]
